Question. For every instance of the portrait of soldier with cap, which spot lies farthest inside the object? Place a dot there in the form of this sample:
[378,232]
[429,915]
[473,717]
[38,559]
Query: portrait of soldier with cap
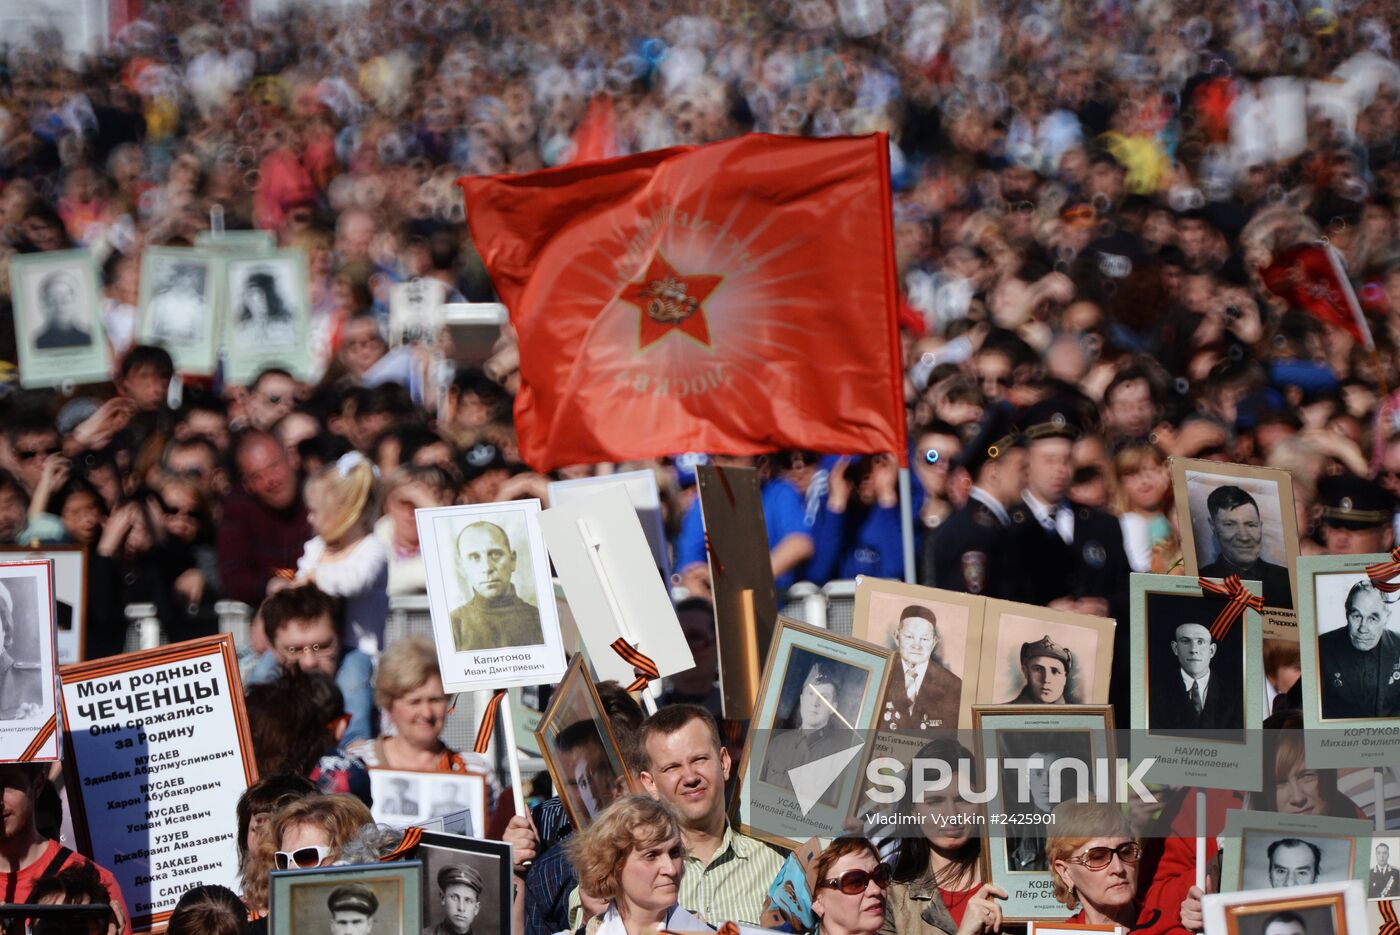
[352,909]
[1235,524]
[1359,663]
[459,894]
[1357,515]
[923,694]
[815,726]
[968,551]
[1045,668]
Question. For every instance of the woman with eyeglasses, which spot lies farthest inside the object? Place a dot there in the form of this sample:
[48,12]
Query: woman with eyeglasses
[937,886]
[408,690]
[1094,862]
[630,860]
[848,884]
[310,832]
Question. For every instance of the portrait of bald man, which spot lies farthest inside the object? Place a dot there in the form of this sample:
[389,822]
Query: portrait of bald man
[494,615]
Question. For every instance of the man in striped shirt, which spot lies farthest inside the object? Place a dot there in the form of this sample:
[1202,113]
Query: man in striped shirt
[727,874]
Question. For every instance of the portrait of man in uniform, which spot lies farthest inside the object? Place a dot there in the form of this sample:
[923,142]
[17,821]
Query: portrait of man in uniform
[923,694]
[1237,527]
[61,313]
[459,895]
[1045,668]
[814,726]
[352,909]
[494,616]
[1359,663]
[1384,882]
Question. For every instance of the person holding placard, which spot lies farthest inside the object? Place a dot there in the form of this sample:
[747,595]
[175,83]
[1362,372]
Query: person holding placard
[1093,858]
[632,858]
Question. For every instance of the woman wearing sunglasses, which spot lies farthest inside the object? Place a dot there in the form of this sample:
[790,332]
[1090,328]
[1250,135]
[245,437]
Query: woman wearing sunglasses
[632,858]
[937,887]
[1094,862]
[310,832]
[848,885]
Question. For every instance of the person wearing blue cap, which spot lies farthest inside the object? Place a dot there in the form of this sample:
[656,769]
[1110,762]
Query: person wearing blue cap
[969,549]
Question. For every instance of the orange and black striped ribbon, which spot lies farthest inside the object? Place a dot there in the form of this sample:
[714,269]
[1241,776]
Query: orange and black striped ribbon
[41,738]
[1232,588]
[411,837]
[1389,924]
[638,660]
[488,722]
[1381,573]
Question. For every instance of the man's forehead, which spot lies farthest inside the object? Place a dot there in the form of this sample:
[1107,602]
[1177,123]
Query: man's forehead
[1243,511]
[1192,631]
[1044,662]
[480,535]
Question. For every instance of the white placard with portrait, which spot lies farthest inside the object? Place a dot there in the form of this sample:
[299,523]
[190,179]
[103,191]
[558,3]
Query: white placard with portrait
[28,698]
[495,623]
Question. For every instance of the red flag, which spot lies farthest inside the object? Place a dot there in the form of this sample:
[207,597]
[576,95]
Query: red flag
[734,298]
[1312,277]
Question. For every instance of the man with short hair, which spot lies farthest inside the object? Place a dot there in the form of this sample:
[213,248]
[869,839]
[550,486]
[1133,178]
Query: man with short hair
[459,890]
[1284,923]
[1236,523]
[1130,407]
[685,765]
[270,396]
[196,459]
[352,909]
[303,628]
[1360,663]
[1194,700]
[1045,666]
[1385,879]
[820,731]
[494,616]
[923,694]
[1294,862]
[31,438]
[264,527]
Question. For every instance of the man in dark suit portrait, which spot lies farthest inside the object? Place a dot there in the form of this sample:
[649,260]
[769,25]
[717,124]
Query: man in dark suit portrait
[1360,663]
[1194,698]
[1239,536]
[923,695]
[58,304]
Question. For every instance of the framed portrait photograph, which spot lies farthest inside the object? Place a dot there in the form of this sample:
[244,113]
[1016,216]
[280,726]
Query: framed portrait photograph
[936,636]
[641,491]
[577,742]
[466,884]
[1349,646]
[1316,909]
[267,301]
[1241,521]
[179,306]
[415,311]
[1060,747]
[1197,685]
[69,594]
[1035,655]
[1070,928]
[404,797]
[383,899]
[490,594]
[1382,875]
[28,670]
[58,326]
[1274,850]
[811,734]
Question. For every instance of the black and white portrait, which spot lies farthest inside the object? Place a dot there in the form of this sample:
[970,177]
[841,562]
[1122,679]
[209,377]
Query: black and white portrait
[1046,787]
[1195,682]
[349,901]
[408,797]
[493,613]
[464,890]
[816,713]
[415,311]
[21,692]
[63,316]
[1283,860]
[1054,659]
[1383,882]
[1312,920]
[1358,648]
[265,304]
[404,797]
[178,309]
[1240,526]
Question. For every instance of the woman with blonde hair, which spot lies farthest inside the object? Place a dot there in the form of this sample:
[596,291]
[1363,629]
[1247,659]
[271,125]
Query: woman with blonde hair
[1144,489]
[632,858]
[310,832]
[408,689]
[344,560]
[1093,858]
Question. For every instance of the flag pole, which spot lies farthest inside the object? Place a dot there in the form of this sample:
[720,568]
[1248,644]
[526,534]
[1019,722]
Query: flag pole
[906,525]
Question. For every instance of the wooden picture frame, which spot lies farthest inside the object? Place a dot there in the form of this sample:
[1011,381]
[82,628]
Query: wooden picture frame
[575,714]
[1327,909]
[298,898]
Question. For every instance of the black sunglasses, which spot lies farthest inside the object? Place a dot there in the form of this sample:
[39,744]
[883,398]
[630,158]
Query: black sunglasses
[854,882]
[28,454]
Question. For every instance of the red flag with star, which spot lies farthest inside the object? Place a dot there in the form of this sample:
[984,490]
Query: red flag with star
[734,298]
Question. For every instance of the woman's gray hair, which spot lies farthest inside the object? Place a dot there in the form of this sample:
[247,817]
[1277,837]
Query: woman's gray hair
[369,844]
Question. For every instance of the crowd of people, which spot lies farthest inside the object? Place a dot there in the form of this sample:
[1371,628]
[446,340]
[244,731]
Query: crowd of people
[1084,192]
